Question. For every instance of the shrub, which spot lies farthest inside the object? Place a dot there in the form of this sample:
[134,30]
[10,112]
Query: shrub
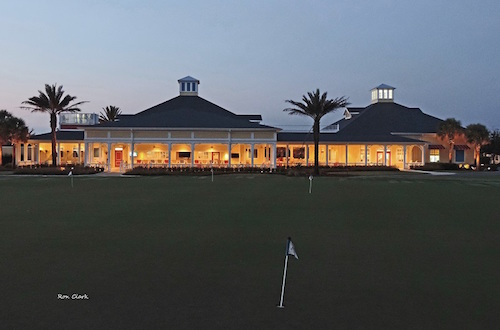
[59,170]
[438,167]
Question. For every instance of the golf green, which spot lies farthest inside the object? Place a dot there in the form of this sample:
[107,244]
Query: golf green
[393,251]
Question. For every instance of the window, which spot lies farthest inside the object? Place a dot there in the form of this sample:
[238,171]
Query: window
[380,94]
[280,152]
[459,156]
[385,93]
[188,87]
[399,154]
[194,87]
[434,155]
[183,87]
[299,153]
[30,151]
[235,155]
[184,154]
[96,152]
[390,94]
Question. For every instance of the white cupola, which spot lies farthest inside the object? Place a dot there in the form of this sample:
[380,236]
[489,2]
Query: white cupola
[188,86]
[383,93]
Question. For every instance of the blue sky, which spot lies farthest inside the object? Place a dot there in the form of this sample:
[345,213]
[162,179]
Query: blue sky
[442,56]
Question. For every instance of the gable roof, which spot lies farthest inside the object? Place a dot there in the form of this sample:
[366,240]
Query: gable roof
[186,112]
[378,122]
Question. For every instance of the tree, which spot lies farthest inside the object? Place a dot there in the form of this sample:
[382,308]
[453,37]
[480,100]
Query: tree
[12,130]
[448,130]
[110,113]
[53,102]
[493,147]
[478,135]
[316,106]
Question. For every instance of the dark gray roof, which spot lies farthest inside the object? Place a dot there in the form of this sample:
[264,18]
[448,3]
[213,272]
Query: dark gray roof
[355,113]
[384,86]
[251,117]
[188,79]
[378,122]
[336,138]
[186,112]
[60,135]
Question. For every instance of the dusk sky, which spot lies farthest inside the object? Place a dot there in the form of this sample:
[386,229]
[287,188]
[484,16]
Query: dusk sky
[250,56]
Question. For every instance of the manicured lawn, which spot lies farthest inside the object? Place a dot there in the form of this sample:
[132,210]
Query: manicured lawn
[387,251]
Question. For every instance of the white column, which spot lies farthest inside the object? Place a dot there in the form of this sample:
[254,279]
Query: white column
[229,154]
[132,146]
[87,154]
[307,155]
[273,155]
[366,155]
[169,154]
[423,155]
[251,153]
[385,155]
[79,150]
[192,154]
[326,154]
[108,161]
[404,156]
[346,155]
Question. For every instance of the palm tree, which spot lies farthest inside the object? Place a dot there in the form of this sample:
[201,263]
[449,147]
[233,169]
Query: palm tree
[315,106]
[53,102]
[12,129]
[449,129]
[110,113]
[478,135]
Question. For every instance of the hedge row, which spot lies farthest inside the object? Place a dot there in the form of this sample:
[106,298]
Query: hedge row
[62,170]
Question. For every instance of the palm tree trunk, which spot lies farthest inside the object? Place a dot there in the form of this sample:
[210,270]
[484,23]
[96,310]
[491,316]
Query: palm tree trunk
[478,156]
[316,146]
[53,124]
[450,153]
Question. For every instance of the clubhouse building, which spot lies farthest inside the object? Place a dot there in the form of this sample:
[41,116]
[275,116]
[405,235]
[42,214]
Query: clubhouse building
[189,131]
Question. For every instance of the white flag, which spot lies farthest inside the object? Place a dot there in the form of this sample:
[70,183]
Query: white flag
[291,249]
[70,173]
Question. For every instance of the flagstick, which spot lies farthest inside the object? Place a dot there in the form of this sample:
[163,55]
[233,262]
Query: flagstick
[72,181]
[212,170]
[310,183]
[283,285]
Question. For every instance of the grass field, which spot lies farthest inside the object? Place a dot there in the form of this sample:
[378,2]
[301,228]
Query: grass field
[384,251]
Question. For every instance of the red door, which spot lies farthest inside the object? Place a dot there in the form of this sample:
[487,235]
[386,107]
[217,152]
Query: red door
[118,157]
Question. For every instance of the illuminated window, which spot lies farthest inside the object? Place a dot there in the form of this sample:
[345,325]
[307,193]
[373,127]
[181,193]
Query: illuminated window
[380,94]
[434,155]
[390,93]
[399,154]
[385,93]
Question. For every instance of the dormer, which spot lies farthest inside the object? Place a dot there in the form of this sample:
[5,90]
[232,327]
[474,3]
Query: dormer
[188,86]
[383,93]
